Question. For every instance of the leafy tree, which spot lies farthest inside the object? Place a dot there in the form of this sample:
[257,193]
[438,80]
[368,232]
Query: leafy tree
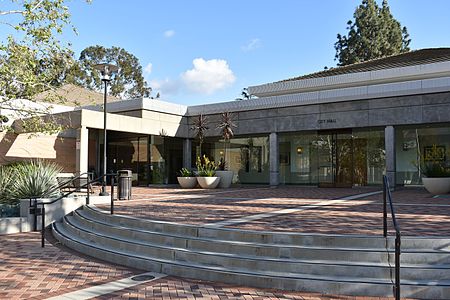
[374,33]
[32,59]
[127,83]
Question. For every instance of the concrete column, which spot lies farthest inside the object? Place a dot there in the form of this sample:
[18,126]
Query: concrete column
[187,153]
[274,159]
[389,143]
[82,150]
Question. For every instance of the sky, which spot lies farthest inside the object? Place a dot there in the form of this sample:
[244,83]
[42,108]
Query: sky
[200,51]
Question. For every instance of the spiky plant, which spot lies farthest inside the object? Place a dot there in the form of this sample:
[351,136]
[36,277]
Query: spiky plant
[6,177]
[226,126]
[35,178]
[200,128]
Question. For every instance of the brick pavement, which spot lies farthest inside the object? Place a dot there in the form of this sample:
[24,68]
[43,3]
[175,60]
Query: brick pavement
[29,272]
[417,211]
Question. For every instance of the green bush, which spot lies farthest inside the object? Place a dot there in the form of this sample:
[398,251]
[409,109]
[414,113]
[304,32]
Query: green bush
[206,167]
[33,179]
[435,169]
[184,172]
[5,184]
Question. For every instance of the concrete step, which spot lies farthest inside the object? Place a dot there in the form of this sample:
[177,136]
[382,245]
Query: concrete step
[267,237]
[82,227]
[344,285]
[359,256]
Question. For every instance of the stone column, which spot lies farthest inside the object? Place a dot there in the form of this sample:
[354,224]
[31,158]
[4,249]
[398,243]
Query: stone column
[389,143]
[187,153]
[274,160]
[82,150]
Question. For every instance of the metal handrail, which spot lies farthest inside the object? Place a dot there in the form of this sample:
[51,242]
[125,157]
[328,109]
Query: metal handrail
[398,235]
[89,182]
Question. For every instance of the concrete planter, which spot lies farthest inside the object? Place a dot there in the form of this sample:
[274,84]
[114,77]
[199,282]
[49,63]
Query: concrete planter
[208,182]
[226,178]
[437,186]
[187,182]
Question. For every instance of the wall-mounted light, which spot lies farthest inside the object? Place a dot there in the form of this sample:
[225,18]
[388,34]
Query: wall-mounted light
[221,153]
[299,150]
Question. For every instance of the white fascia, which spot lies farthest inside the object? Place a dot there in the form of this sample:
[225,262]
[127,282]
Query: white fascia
[400,74]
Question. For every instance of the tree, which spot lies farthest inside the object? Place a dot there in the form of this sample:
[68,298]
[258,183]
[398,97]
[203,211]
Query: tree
[32,59]
[200,127]
[374,33]
[127,83]
[226,125]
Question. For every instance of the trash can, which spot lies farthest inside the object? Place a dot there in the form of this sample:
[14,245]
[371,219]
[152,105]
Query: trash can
[124,184]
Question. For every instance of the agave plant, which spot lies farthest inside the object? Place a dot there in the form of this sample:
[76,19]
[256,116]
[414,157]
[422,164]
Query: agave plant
[6,177]
[200,127]
[36,178]
[226,126]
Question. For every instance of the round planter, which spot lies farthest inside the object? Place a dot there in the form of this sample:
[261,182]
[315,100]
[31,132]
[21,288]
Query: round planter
[226,177]
[437,186]
[187,182]
[208,182]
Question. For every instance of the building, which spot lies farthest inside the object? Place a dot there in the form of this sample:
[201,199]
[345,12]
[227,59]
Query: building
[340,127]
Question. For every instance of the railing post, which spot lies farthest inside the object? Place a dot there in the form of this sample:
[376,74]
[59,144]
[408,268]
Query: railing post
[88,200]
[43,226]
[397,266]
[112,194]
[385,206]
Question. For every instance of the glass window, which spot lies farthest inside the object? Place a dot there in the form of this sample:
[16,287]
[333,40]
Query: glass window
[412,146]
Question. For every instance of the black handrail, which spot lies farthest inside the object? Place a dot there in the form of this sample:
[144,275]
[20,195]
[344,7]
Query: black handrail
[398,235]
[87,184]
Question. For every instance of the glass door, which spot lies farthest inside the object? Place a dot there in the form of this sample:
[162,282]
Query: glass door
[335,159]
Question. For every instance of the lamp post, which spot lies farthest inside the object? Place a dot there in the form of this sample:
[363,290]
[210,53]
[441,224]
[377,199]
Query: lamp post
[106,70]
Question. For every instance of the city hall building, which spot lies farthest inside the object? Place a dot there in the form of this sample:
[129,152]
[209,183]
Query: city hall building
[346,126]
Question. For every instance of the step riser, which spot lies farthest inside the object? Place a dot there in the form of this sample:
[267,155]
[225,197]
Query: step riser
[317,254]
[238,235]
[268,251]
[270,237]
[261,265]
[359,289]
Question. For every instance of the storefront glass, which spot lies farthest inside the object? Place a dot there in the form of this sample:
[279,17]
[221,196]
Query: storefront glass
[414,146]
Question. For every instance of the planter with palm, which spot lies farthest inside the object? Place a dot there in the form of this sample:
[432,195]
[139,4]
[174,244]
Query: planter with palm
[200,128]
[226,126]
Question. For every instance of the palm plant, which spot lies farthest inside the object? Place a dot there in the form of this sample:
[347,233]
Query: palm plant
[226,126]
[200,128]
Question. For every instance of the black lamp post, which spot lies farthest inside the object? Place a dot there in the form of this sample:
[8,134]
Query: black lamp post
[106,70]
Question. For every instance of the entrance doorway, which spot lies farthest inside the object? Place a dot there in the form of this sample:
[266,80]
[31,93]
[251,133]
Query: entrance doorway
[342,159]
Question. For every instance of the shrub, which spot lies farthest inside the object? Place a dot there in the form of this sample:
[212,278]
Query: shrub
[184,172]
[436,170]
[34,179]
[206,167]
[5,184]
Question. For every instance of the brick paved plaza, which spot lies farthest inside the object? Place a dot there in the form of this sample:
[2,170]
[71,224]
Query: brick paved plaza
[28,271]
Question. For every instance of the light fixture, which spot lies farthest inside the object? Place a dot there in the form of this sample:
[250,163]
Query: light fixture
[221,153]
[106,70]
[299,150]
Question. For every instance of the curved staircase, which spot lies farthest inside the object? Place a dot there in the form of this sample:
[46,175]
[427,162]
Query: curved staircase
[330,264]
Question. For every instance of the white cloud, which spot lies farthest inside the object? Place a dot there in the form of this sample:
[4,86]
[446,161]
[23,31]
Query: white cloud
[148,68]
[252,45]
[169,33]
[208,76]
[166,86]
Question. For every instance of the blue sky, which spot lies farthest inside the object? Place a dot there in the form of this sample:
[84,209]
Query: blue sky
[206,51]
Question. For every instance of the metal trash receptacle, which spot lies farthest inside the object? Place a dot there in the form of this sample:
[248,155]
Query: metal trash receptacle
[124,184]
